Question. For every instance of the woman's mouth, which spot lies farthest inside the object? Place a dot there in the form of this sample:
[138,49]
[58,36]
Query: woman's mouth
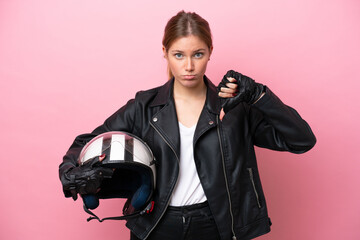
[189,77]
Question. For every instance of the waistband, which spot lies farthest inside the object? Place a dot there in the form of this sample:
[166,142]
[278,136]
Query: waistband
[188,208]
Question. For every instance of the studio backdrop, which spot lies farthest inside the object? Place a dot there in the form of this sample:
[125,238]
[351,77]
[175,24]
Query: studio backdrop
[65,66]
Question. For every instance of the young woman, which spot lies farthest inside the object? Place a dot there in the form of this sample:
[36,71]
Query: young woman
[203,138]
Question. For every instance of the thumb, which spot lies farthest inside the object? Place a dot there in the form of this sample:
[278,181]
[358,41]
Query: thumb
[222,114]
[74,194]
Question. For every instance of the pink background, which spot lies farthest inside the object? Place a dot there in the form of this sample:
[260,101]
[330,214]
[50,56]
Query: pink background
[67,65]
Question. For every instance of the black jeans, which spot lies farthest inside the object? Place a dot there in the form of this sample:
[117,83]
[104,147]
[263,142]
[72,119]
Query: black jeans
[194,222]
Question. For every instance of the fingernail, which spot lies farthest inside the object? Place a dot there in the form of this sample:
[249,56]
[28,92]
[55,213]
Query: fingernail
[102,157]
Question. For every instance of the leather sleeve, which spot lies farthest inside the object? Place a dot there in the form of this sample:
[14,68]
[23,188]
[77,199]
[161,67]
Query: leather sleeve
[121,120]
[277,126]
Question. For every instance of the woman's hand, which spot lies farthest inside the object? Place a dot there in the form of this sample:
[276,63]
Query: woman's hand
[230,90]
[85,179]
[227,92]
[238,88]
[247,91]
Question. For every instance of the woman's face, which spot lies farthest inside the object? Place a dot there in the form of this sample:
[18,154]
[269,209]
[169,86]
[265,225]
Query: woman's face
[187,58]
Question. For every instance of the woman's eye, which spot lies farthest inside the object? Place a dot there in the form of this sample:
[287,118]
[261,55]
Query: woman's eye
[198,55]
[178,55]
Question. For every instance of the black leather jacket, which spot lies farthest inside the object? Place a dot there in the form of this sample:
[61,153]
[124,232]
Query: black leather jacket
[223,151]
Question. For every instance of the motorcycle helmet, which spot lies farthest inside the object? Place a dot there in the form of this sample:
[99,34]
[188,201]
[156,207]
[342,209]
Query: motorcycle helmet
[134,176]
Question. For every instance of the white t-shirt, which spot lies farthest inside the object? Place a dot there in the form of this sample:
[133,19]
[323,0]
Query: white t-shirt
[188,189]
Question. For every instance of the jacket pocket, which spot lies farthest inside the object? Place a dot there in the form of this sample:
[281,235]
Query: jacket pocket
[251,175]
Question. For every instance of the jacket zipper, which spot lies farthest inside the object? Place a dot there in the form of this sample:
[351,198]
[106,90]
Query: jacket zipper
[253,184]
[168,202]
[226,181]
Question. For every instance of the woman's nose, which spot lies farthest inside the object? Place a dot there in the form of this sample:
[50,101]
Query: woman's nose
[189,65]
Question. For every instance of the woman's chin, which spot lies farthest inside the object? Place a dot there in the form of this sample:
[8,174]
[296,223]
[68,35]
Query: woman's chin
[193,83]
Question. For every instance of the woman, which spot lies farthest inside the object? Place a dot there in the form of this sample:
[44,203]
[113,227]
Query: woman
[203,138]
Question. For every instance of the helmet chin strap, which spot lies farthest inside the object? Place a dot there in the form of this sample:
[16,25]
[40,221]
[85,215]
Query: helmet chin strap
[148,209]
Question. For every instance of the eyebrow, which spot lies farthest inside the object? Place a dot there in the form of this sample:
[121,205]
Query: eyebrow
[179,51]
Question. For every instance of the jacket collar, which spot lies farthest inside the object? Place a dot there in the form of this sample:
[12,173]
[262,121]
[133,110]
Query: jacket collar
[165,95]
[165,120]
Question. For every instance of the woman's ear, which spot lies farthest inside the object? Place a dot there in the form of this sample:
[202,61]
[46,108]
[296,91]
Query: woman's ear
[211,50]
[164,51]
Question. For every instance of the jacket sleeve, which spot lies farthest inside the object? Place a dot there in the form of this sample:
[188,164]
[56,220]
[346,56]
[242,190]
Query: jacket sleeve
[277,126]
[121,120]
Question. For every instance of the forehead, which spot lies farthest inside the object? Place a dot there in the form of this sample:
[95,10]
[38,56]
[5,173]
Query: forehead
[189,43]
